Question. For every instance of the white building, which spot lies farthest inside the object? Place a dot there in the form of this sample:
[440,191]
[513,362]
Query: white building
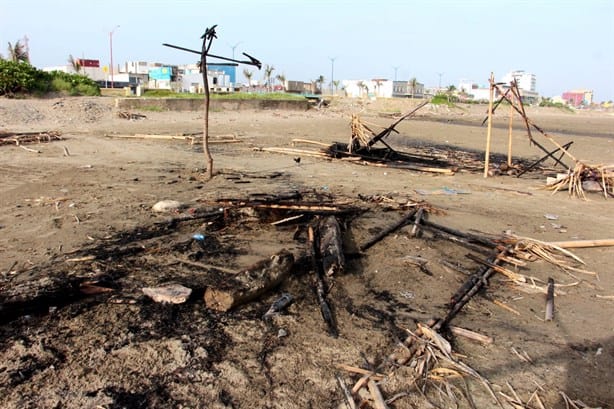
[474,91]
[376,88]
[526,81]
[526,85]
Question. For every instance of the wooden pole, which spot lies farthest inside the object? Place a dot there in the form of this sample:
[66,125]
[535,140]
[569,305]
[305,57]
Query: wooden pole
[509,137]
[207,41]
[489,131]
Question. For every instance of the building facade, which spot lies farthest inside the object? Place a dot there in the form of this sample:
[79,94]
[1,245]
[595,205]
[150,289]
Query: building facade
[375,88]
[578,98]
[404,89]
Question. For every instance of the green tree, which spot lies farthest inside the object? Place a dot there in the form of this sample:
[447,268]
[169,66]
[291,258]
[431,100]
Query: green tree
[75,64]
[282,79]
[248,75]
[18,52]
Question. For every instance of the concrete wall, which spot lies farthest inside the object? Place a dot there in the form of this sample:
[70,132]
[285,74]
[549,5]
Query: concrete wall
[197,104]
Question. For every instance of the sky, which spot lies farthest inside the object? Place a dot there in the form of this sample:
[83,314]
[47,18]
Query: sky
[566,44]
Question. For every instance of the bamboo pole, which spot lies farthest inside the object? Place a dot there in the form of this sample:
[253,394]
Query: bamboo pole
[575,244]
[489,131]
[509,138]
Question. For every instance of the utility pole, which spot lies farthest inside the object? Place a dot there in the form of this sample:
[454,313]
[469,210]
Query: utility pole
[111,50]
[440,75]
[332,73]
[395,72]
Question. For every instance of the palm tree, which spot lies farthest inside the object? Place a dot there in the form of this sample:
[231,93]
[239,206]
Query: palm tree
[320,81]
[18,52]
[336,85]
[268,72]
[76,65]
[282,79]
[413,84]
[361,86]
[248,75]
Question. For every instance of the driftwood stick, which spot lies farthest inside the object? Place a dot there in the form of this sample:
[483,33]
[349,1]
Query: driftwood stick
[309,142]
[294,151]
[354,369]
[29,149]
[361,383]
[550,300]
[417,221]
[331,246]
[474,336]
[376,395]
[402,222]
[299,207]
[472,238]
[460,241]
[347,395]
[455,267]
[251,283]
[469,289]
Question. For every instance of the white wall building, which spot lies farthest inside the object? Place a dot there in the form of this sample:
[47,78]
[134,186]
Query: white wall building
[376,88]
[526,81]
[475,91]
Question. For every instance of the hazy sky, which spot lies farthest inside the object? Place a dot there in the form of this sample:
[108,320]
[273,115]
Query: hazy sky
[566,44]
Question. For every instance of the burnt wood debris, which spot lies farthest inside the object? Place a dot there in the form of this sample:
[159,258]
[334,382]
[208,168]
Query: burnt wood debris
[318,234]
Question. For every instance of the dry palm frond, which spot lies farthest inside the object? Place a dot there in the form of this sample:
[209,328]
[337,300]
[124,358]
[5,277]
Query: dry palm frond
[602,174]
[429,356]
[533,249]
[360,133]
[574,404]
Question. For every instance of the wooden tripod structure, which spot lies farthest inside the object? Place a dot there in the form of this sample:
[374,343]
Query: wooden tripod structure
[513,97]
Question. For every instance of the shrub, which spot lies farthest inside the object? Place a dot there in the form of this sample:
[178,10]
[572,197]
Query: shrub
[23,78]
[17,77]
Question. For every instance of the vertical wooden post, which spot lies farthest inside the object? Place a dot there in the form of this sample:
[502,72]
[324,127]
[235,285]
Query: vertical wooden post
[207,41]
[489,131]
[509,137]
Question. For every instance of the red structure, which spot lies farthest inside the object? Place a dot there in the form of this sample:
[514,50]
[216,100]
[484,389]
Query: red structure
[89,63]
[574,98]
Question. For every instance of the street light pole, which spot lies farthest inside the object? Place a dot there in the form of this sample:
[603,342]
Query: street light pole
[440,74]
[233,48]
[332,74]
[111,50]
